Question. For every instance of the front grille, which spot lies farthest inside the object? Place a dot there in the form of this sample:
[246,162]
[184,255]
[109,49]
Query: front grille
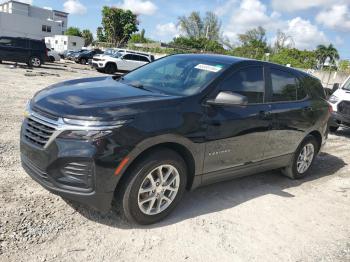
[344,108]
[96,59]
[38,132]
[45,114]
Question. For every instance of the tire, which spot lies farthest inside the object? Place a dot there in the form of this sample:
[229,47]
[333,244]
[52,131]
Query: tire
[294,170]
[83,61]
[110,68]
[0,61]
[333,129]
[35,61]
[129,198]
[52,59]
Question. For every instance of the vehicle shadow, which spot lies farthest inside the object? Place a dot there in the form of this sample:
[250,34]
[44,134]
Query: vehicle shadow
[224,195]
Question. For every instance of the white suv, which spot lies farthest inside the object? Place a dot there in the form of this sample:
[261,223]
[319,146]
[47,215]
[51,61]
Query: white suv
[340,101]
[120,61]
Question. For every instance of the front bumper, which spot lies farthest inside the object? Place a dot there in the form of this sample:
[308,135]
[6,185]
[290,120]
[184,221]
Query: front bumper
[339,119]
[98,65]
[78,170]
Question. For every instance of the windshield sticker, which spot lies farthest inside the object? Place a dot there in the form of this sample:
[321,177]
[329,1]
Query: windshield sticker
[210,68]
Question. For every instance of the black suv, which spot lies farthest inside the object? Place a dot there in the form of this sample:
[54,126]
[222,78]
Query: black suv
[23,50]
[178,123]
[85,56]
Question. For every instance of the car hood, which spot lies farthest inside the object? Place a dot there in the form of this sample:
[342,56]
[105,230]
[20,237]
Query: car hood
[97,98]
[342,94]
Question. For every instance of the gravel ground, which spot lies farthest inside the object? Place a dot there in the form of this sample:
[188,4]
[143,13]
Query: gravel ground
[265,217]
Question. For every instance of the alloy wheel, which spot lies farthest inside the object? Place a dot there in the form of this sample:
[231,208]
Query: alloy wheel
[305,158]
[158,190]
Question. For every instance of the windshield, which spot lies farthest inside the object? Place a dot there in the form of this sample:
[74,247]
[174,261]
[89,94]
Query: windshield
[177,75]
[117,54]
[347,85]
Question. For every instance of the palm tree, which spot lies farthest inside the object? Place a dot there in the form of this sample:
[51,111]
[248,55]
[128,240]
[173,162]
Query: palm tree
[323,53]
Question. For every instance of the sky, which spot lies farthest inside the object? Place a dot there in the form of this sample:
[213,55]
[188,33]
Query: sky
[308,22]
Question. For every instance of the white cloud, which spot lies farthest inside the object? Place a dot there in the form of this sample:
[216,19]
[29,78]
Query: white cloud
[140,7]
[295,5]
[223,9]
[168,29]
[248,15]
[305,34]
[337,17]
[74,7]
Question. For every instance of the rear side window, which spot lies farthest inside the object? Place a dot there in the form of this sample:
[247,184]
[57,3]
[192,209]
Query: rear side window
[130,57]
[248,82]
[143,59]
[286,87]
[37,45]
[20,43]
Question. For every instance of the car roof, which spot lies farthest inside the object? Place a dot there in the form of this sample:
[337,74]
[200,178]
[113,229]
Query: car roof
[216,58]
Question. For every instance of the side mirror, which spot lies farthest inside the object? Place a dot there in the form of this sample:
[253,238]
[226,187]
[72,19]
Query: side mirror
[227,98]
[335,87]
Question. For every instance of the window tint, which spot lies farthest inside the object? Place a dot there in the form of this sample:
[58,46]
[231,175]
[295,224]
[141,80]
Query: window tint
[130,57]
[20,43]
[143,59]
[37,45]
[285,87]
[248,82]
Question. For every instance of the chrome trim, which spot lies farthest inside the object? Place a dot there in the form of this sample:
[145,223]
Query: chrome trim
[60,125]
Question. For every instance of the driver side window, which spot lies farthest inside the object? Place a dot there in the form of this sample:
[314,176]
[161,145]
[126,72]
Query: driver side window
[248,82]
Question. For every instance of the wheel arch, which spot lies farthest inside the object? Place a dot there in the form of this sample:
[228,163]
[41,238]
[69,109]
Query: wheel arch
[317,135]
[182,149]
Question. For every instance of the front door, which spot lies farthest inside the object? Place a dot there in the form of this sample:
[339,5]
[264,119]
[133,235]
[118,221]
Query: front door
[237,135]
[128,62]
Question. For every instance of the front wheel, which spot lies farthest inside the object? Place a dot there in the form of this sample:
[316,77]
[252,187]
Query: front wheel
[110,68]
[154,187]
[303,158]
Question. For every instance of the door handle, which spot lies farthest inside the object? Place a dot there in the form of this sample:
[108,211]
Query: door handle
[307,109]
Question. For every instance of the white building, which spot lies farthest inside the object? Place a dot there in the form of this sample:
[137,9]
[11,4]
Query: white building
[23,20]
[62,43]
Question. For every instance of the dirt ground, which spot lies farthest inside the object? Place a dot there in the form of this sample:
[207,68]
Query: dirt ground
[265,217]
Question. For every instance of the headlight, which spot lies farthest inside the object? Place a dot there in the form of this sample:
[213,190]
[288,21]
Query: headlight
[333,99]
[85,134]
[26,112]
[94,123]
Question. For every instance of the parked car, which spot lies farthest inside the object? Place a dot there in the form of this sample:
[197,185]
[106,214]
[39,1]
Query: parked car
[23,50]
[53,55]
[120,61]
[83,57]
[340,101]
[180,122]
[71,54]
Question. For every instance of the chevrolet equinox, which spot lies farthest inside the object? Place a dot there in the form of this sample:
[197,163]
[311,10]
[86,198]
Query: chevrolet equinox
[174,124]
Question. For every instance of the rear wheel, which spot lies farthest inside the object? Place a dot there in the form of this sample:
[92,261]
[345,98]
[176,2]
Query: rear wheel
[34,61]
[153,188]
[52,59]
[110,68]
[303,158]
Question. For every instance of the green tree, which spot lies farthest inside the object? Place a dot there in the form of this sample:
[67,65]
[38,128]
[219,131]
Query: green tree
[202,44]
[100,34]
[282,41]
[118,25]
[139,38]
[195,27]
[88,37]
[75,31]
[253,44]
[294,57]
[344,65]
[327,52]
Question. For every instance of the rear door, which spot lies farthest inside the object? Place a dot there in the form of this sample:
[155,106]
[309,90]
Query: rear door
[291,111]
[128,62]
[237,135]
[20,51]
